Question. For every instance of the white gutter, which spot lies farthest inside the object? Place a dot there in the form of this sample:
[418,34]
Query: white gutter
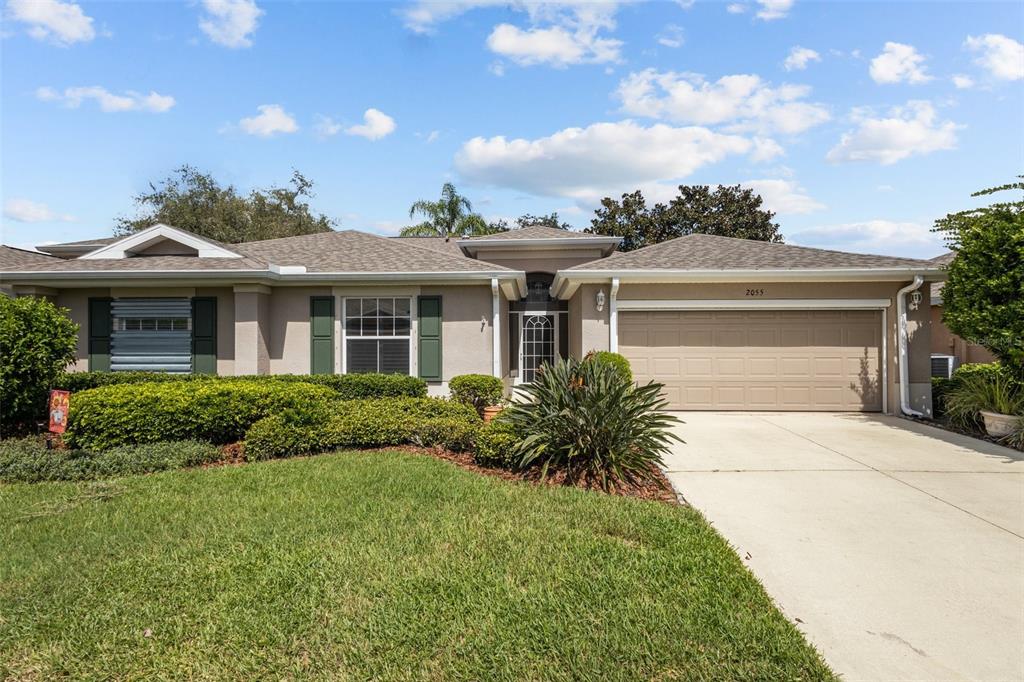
[613,317]
[495,329]
[901,310]
[276,273]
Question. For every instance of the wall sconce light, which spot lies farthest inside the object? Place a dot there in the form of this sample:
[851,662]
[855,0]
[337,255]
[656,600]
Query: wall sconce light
[915,300]
[600,300]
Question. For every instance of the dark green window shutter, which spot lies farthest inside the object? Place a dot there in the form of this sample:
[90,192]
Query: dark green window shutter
[100,322]
[204,335]
[430,337]
[321,333]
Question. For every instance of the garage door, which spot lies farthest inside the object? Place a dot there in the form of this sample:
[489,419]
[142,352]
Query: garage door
[758,360]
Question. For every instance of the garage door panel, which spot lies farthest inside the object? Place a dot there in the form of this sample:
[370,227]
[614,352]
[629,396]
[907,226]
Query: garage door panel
[758,360]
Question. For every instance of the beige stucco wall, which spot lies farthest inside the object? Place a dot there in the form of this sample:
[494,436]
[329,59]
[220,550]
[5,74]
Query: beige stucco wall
[467,331]
[77,303]
[945,342]
[546,260]
[288,320]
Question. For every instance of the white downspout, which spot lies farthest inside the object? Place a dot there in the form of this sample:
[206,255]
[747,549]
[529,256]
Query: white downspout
[613,317]
[901,309]
[495,329]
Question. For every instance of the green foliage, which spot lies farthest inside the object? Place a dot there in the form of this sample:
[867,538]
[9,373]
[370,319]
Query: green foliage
[38,340]
[726,211]
[587,419]
[546,220]
[988,387]
[497,444]
[940,389]
[196,202]
[450,216]
[983,298]
[619,362]
[28,460]
[346,386]
[215,411]
[427,422]
[477,390]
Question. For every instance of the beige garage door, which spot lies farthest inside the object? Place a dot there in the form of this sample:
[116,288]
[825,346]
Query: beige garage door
[758,360]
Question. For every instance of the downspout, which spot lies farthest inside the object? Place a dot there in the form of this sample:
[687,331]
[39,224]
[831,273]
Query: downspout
[901,312]
[496,329]
[613,316]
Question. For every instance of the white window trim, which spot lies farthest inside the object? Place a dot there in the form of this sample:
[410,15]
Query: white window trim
[518,379]
[757,304]
[413,330]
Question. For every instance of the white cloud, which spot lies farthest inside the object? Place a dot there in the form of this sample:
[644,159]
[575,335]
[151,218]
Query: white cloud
[556,46]
[26,211]
[432,136]
[799,58]
[912,129]
[1003,57]
[773,9]
[230,22]
[423,16]
[376,124]
[963,82]
[744,101]
[63,23]
[672,36]
[107,101]
[271,120]
[497,68]
[766,149]
[785,197]
[601,159]
[326,127]
[736,8]
[898,63]
[907,239]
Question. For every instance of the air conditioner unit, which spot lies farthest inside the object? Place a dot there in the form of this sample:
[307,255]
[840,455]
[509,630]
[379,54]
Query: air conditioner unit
[943,365]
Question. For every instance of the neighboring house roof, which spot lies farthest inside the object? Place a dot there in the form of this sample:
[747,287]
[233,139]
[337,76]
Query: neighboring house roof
[75,249]
[944,259]
[535,232]
[710,252]
[11,257]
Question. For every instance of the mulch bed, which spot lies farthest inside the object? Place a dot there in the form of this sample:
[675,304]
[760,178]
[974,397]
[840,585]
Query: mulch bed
[940,423]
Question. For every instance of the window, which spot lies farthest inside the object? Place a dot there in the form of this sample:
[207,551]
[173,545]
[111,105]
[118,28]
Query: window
[150,324]
[377,335]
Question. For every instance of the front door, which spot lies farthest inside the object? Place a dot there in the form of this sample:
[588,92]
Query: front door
[538,344]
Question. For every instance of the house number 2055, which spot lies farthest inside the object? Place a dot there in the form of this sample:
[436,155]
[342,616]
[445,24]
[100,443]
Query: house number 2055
[755,292]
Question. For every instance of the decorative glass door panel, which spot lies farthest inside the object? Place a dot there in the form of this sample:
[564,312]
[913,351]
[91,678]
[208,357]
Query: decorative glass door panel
[538,344]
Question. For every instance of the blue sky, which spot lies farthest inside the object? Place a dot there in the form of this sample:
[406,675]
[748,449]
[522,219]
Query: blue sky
[859,122]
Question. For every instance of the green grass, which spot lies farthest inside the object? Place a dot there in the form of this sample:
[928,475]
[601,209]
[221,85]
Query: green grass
[369,565]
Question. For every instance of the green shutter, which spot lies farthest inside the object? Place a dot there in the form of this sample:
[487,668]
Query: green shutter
[204,335]
[100,322]
[321,333]
[430,337]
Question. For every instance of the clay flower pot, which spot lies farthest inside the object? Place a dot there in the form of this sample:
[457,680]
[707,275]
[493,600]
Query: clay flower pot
[1000,425]
[492,411]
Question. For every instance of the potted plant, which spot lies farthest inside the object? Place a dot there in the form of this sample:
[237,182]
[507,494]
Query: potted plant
[992,395]
[486,394]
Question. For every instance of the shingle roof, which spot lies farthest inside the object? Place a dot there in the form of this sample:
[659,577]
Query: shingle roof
[97,241]
[709,252]
[147,264]
[12,258]
[352,251]
[944,259]
[536,232]
[449,246]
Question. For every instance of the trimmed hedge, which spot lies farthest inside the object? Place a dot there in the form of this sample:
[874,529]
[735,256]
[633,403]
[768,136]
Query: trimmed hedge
[427,422]
[619,362]
[497,445]
[214,411]
[347,386]
[477,390]
[27,460]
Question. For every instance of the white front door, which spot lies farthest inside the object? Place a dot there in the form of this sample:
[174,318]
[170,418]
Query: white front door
[537,345]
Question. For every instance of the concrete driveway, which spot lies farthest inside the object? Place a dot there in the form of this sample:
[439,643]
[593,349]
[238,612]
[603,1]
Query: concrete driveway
[897,548]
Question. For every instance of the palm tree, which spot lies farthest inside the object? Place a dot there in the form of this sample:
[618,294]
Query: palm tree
[450,216]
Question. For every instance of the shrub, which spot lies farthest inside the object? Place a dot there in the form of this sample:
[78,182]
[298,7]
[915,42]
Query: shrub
[428,422]
[619,362]
[991,389]
[477,390]
[940,389]
[346,386]
[586,419]
[38,342]
[497,444]
[29,461]
[215,411]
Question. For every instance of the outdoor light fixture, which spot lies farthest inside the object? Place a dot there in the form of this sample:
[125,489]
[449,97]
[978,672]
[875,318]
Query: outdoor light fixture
[915,300]
[600,300]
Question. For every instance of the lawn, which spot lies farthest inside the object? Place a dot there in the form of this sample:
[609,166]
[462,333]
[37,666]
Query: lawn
[373,565]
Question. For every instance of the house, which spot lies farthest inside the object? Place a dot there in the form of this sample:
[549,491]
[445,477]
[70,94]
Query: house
[725,324]
[949,351]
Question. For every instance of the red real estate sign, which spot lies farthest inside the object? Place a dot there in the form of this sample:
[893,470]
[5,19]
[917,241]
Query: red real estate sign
[58,409]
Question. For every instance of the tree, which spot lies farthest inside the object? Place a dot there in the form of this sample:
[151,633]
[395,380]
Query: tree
[39,340]
[196,202]
[450,216]
[726,211]
[983,298]
[552,220]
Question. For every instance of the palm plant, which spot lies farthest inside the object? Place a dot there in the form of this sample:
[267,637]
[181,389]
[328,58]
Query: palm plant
[977,391]
[592,422]
[450,216]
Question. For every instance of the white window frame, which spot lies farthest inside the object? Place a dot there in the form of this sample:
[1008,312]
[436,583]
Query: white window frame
[345,335]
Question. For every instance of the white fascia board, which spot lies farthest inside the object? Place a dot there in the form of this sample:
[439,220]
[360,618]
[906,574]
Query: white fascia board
[567,281]
[758,304]
[121,247]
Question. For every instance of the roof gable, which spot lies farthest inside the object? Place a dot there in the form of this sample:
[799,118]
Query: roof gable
[152,238]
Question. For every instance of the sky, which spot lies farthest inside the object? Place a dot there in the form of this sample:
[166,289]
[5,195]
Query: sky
[859,123]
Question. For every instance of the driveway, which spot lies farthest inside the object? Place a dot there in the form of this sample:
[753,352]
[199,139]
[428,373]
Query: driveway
[896,547]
